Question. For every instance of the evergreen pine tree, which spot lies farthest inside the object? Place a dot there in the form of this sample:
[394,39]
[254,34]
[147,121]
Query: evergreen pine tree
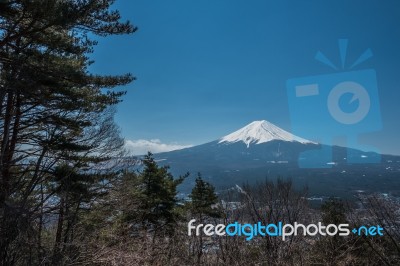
[157,195]
[202,208]
[50,111]
[204,200]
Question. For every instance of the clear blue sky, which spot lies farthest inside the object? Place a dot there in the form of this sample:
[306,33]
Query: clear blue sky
[206,68]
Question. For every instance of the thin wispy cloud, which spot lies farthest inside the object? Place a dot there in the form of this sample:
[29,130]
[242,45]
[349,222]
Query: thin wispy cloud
[142,146]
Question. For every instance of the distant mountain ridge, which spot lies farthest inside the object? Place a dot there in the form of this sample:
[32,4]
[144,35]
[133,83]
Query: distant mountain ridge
[262,150]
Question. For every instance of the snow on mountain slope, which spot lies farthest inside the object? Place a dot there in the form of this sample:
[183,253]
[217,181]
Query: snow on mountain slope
[260,132]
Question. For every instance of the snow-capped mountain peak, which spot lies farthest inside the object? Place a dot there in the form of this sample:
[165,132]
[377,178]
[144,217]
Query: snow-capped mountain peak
[260,132]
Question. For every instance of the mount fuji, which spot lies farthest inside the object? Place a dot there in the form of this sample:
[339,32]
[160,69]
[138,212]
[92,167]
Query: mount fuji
[259,132]
[262,150]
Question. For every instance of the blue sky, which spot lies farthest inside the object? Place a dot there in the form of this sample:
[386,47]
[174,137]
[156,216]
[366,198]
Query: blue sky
[206,68]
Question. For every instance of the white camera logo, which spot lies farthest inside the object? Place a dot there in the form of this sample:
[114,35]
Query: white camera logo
[317,111]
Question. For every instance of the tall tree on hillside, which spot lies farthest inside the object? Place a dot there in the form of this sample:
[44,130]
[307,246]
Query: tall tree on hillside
[202,208]
[157,195]
[83,179]
[203,200]
[48,103]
